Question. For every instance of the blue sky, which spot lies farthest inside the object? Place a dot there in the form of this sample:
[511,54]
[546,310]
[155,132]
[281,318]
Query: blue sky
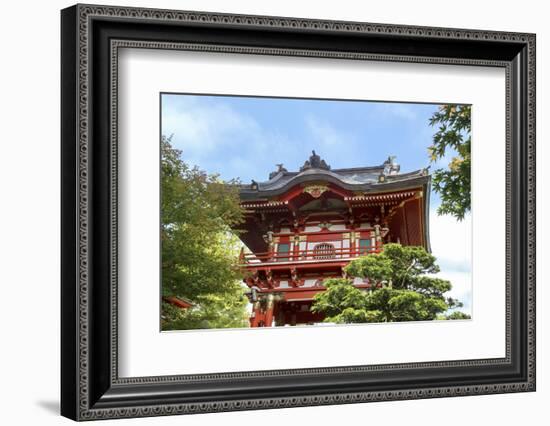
[259,132]
[244,137]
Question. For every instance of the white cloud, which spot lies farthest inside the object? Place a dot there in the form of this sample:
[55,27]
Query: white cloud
[198,129]
[325,134]
[462,288]
[451,243]
[216,136]
[401,111]
[451,240]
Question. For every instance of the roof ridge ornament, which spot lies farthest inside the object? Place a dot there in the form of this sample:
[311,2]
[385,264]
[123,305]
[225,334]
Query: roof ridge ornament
[280,169]
[391,167]
[314,162]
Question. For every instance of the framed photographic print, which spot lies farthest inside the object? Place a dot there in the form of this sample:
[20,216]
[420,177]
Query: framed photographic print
[263,212]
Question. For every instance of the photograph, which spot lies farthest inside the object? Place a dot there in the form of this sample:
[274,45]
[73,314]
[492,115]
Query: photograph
[357,198]
[281,212]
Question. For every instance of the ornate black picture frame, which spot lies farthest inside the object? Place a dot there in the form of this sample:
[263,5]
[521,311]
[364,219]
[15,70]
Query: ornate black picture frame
[91,37]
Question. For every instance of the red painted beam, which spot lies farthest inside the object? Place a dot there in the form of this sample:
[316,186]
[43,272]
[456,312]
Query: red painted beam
[176,301]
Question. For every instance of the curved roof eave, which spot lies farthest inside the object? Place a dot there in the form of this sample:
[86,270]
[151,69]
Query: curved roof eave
[393,182]
[426,198]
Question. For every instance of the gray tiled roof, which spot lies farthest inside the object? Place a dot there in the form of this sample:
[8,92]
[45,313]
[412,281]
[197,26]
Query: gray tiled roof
[356,179]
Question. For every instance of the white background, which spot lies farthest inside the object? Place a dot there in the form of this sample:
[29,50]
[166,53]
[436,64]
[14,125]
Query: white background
[140,343]
[29,214]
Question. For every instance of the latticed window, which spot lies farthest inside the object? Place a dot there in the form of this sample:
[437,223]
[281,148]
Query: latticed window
[324,251]
[365,247]
[283,249]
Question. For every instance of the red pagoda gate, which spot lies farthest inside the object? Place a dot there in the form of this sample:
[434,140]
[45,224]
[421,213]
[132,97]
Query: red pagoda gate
[304,227]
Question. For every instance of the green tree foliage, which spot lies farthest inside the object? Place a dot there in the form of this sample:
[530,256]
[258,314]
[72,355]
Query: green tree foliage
[457,315]
[452,136]
[212,311]
[199,248]
[406,290]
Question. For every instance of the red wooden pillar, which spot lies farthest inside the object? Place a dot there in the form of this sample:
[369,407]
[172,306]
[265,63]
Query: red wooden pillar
[269,311]
[256,316]
[354,238]
[296,247]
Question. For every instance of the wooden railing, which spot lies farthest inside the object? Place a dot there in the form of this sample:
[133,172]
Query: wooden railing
[309,255]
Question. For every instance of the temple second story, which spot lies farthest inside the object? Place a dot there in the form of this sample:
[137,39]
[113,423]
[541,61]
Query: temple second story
[305,226]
